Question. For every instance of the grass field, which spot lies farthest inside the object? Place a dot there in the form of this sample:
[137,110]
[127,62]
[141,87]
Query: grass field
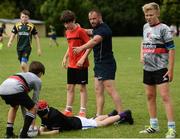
[128,82]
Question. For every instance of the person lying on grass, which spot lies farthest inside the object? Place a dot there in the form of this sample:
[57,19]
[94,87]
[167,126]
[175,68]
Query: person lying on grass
[53,121]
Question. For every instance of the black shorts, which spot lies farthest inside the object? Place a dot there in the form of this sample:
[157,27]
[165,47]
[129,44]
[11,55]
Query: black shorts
[155,77]
[105,71]
[53,36]
[77,76]
[24,53]
[19,99]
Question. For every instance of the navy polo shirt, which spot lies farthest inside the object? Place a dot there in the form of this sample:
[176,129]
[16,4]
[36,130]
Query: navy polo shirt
[103,51]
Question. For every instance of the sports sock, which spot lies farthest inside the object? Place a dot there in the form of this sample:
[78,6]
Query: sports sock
[27,122]
[9,129]
[69,108]
[82,109]
[122,114]
[172,125]
[154,122]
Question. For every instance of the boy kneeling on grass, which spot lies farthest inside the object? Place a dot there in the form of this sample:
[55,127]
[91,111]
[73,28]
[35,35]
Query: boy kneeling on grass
[53,121]
[14,91]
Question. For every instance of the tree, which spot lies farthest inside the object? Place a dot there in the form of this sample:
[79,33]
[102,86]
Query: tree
[125,17]
[8,9]
[32,5]
[170,12]
[52,9]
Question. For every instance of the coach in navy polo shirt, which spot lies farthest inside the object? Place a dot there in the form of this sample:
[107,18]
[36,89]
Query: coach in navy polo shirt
[105,64]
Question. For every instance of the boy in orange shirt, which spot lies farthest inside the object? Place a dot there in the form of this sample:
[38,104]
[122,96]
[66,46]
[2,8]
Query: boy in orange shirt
[77,65]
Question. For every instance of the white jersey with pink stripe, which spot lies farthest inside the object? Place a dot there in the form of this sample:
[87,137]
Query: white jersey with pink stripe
[14,85]
[157,41]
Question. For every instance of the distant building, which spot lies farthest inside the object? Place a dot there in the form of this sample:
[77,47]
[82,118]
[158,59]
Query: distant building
[40,25]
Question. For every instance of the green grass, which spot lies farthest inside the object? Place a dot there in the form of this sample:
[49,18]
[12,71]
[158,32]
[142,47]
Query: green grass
[128,82]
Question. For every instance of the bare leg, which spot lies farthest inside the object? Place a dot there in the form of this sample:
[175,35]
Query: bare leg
[165,94]
[10,121]
[24,67]
[108,121]
[110,87]
[151,100]
[70,95]
[101,117]
[83,93]
[51,42]
[99,89]
[12,114]
[56,43]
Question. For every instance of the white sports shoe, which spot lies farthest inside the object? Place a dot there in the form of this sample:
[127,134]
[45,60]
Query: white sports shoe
[149,130]
[171,133]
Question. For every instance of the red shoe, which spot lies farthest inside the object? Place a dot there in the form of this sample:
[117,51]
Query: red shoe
[82,114]
[68,113]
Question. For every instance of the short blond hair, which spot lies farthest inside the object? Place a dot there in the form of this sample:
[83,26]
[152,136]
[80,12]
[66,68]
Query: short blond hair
[151,6]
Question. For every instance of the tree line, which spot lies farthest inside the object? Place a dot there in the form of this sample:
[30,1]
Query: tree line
[125,17]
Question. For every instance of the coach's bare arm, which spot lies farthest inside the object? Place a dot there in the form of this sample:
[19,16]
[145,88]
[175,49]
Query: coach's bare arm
[90,44]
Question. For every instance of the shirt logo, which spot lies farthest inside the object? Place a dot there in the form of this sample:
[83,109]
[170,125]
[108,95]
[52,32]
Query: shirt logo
[83,81]
[24,33]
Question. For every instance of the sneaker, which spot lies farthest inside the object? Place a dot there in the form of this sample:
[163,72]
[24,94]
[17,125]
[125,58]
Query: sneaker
[171,133]
[68,113]
[82,114]
[126,118]
[113,113]
[149,130]
[11,136]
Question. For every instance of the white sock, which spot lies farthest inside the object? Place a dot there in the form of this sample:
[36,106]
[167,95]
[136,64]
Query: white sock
[154,122]
[172,125]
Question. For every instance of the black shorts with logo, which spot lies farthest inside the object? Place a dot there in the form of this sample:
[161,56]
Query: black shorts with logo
[77,76]
[155,77]
[105,71]
[19,99]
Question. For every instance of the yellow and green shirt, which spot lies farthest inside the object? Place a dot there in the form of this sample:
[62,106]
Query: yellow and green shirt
[24,34]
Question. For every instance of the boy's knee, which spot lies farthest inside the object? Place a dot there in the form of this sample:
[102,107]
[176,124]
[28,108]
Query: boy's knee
[165,99]
[151,97]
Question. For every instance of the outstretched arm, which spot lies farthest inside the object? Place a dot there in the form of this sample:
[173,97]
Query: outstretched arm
[90,44]
[89,31]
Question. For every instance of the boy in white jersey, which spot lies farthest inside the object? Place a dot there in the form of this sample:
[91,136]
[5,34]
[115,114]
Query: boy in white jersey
[157,55]
[14,91]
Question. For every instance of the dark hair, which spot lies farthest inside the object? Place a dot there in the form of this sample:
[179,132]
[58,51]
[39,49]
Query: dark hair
[96,11]
[26,12]
[36,67]
[42,113]
[67,16]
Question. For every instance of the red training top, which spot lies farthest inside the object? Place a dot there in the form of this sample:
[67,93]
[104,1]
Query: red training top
[76,38]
